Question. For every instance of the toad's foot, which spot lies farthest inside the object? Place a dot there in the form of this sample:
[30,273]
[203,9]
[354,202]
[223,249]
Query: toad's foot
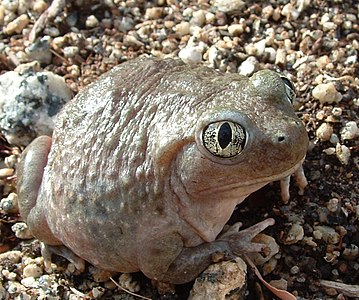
[63,251]
[241,241]
[301,182]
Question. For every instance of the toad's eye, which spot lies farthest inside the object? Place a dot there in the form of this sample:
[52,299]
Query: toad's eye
[224,139]
[289,88]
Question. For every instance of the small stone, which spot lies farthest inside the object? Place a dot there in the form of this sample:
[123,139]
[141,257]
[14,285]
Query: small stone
[71,51]
[324,132]
[12,257]
[10,203]
[21,231]
[248,67]
[326,93]
[132,41]
[294,270]
[334,139]
[2,14]
[351,252]
[294,235]
[17,25]
[29,102]
[97,292]
[337,111]
[349,131]
[343,153]
[281,57]
[40,51]
[323,61]
[153,13]
[272,249]
[8,275]
[124,24]
[210,18]
[32,270]
[191,55]
[228,6]
[182,28]
[126,281]
[221,279]
[91,21]
[198,18]
[328,234]
[267,12]
[39,6]
[236,29]
[6,172]
[10,5]
[281,284]
[333,205]
[100,275]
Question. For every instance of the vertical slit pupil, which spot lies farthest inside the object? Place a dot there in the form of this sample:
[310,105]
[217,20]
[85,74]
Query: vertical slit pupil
[224,135]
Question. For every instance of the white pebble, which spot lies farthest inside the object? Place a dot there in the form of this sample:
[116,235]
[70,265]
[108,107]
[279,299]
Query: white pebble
[8,275]
[10,5]
[349,131]
[153,13]
[326,93]
[343,153]
[10,256]
[21,231]
[182,28]
[198,18]
[294,235]
[236,29]
[229,5]
[39,6]
[71,51]
[17,25]
[32,270]
[91,21]
[248,66]
[324,132]
[10,203]
[190,55]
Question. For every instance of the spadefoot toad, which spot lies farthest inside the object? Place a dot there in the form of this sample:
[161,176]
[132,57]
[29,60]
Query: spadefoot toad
[147,164]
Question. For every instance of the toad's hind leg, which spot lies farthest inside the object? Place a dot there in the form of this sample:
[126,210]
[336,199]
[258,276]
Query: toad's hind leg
[30,173]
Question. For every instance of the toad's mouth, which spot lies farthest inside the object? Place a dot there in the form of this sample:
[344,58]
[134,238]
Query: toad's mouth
[244,188]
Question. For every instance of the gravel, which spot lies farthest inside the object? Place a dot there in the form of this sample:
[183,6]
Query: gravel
[314,43]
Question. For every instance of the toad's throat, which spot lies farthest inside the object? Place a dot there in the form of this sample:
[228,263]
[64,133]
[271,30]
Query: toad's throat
[252,185]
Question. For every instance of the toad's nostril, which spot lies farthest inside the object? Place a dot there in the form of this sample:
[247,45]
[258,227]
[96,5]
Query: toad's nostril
[281,138]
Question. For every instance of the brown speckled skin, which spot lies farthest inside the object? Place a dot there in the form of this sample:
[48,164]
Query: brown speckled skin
[129,186]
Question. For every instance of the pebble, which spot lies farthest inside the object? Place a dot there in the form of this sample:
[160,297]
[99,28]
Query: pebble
[182,28]
[236,29]
[351,252]
[153,13]
[229,6]
[343,153]
[126,281]
[221,279]
[28,103]
[324,132]
[10,204]
[22,231]
[281,57]
[32,270]
[294,235]
[273,248]
[191,55]
[92,22]
[334,139]
[39,6]
[198,18]
[281,284]
[248,66]
[40,51]
[10,5]
[11,256]
[71,51]
[6,172]
[349,131]
[326,93]
[17,25]
[328,234]
[333,205]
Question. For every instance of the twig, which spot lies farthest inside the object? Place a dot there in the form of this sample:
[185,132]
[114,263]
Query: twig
[346,289]
[51,12]
[127,291]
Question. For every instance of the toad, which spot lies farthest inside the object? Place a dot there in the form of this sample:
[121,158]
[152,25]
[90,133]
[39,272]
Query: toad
[147,164]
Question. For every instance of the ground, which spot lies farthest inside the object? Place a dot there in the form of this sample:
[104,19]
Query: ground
[315,43]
